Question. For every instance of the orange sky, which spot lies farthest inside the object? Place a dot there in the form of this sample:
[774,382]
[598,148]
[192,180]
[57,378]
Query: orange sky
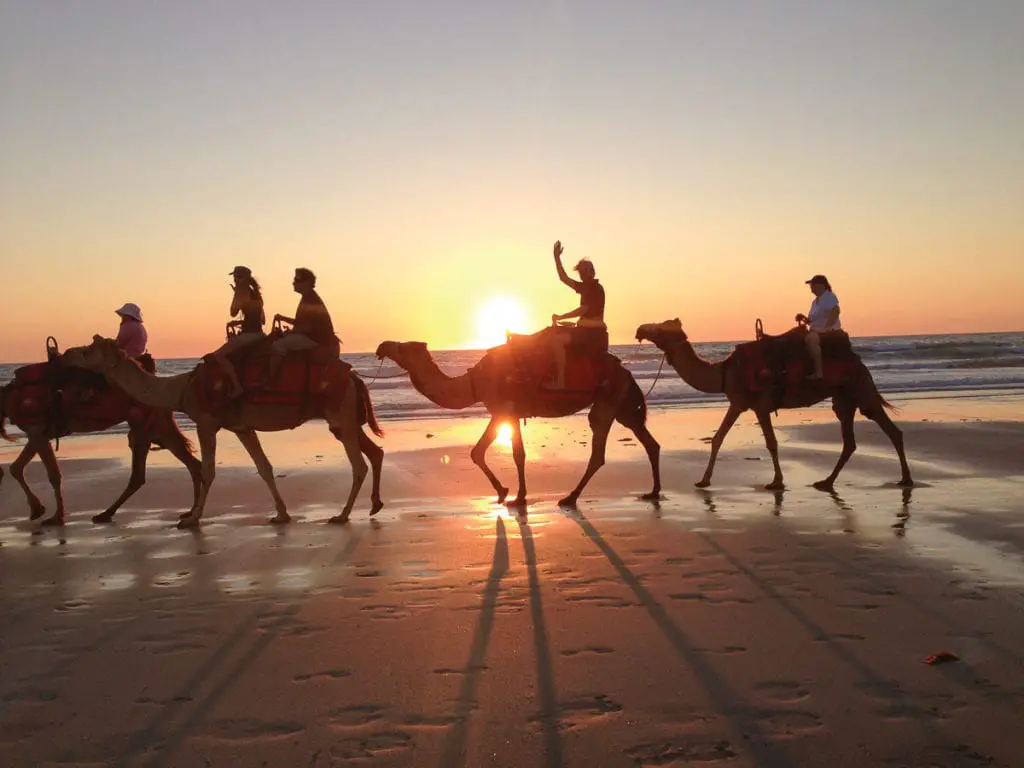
[706,171]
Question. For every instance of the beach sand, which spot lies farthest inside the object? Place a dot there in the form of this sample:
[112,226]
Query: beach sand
[733,627]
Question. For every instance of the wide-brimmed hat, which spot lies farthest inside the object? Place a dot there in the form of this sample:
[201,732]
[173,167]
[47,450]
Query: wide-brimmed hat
[130,310]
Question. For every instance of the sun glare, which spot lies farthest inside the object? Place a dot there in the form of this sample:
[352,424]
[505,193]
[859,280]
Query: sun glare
[496,318]
[504,435]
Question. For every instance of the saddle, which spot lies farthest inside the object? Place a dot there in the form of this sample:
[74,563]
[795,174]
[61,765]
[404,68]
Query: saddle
[782,363]
[51,394]
[316,376]
[588,364]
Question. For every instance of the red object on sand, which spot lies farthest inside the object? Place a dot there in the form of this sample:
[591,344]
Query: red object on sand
[941,657]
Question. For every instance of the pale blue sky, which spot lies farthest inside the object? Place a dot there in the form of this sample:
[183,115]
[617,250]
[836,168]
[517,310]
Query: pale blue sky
[411,151]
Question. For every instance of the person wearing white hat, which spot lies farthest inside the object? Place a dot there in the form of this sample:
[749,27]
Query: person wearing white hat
[131,336]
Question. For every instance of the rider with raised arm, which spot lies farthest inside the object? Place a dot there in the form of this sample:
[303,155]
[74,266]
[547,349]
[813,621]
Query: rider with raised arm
[590,332]
[822,317]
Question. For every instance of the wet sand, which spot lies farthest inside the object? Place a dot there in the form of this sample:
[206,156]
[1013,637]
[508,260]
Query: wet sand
[733,626]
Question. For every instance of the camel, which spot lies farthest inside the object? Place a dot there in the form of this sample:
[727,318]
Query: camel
[725,376]
[244,417]
[617,399]
[146,427]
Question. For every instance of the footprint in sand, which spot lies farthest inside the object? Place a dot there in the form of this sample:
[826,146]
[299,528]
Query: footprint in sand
[601,601]
[723,650]
[430,721]
[788,722]
[370,746]
[595,649]
[466,671]
[329,674]
[246,729]
[30,696]
[829,637]
[355,716]
[669,753]
[581,711]
[784,691]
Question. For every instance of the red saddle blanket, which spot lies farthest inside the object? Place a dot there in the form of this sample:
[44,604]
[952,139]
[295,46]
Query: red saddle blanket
[300,379]
[43,393]
[533,362]
[786,366]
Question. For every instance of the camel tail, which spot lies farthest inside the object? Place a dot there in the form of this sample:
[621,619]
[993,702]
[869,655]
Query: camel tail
[887,405]
[3,414]
[364,398]
[174,432]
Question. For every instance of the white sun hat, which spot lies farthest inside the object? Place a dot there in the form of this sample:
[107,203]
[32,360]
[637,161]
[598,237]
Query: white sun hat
[130,310]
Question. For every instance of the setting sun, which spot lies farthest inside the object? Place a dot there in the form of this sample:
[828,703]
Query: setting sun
[495,318]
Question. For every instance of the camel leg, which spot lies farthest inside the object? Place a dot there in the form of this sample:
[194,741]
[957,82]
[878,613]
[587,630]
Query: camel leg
[653,453]
[36,508]
[479,453]
[350,440]
[179,447]
[375,454]
[49,459]
[878,415]
[764,418]
[519,456]
[845,410]
[716,443]
[600,425]
[137,479]
[207,435]
[251,442]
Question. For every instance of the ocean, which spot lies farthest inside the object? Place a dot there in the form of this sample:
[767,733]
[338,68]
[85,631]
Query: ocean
[986,365]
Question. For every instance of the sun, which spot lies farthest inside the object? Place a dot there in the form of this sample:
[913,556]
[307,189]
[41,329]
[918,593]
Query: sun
[497,317]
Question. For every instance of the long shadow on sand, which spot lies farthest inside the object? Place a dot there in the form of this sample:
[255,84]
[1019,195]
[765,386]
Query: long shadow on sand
[936,736]
[453,752]
[169,743]
[545,669]
[727,700]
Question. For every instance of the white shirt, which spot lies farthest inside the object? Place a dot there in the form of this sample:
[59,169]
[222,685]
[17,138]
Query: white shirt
[821,308]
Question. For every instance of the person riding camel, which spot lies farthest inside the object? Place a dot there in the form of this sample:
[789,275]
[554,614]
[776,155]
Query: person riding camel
[590,332]
[247,300]
[823,317]
[311,326]
[131,336]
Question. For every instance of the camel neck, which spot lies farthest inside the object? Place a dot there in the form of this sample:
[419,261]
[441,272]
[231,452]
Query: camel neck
[452,392]
[699,373]
[154,391]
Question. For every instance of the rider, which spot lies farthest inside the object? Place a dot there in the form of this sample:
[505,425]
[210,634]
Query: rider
[131,336]
[822,317]
[311,326]
[247,300]
[590,331]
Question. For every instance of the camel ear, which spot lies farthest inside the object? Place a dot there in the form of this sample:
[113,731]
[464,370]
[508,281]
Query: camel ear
[96,338]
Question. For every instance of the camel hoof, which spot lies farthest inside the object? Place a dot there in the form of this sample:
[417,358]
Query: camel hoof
[185,516]
[773,486]
[280,519]
[702,484]
[187,522]
[341,519]
[377,507]
[906,482]
[568,501]
[516,502]
[825,485]
[103,517]
[37,512]
[652,496]
[502,495]
[55,521]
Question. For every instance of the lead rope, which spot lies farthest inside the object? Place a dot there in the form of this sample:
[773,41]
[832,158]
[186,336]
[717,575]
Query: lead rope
[657,375]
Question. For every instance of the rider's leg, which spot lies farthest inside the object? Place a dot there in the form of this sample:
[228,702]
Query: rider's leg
[814,347]
[558,344]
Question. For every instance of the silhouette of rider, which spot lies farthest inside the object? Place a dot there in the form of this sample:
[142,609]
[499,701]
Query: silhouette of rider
[590,332]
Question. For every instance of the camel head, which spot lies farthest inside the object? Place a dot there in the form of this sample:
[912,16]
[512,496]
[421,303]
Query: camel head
[404,353]
[661,333]
[102,355]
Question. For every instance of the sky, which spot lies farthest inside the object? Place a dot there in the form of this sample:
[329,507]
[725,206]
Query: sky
[422,157]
